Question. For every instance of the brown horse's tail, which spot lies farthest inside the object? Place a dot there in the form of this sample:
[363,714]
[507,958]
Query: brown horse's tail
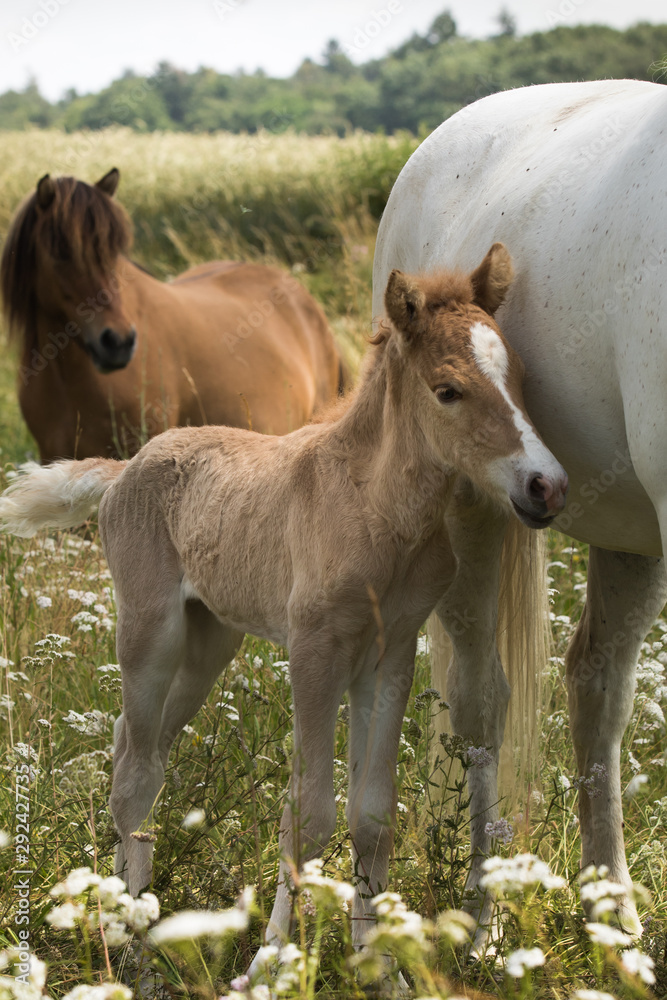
[61,495]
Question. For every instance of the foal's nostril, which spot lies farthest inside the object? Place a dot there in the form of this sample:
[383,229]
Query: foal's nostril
[541,488]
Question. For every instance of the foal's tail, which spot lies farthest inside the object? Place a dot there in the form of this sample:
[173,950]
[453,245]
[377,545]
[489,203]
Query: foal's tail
[61,495]
[523,635]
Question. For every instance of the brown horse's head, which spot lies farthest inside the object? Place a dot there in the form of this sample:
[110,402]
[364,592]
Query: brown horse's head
[59,268]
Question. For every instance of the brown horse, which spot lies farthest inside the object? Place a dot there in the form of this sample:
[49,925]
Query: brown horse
[111,356]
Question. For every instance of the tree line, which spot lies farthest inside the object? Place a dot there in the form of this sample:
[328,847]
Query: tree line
[413,88]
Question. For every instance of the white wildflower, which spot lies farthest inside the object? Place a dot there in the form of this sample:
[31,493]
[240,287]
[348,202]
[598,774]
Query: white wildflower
[85,621]
[76,882]
[507,875]
[143,912]
[66,916]
[634,785]
[110,889]
[91,723]
[5,839]
[106,991]
[608,936]
[591,995]
[523,959]
[115,932]
[43,601]
[328,892]
[194,818]
[639,964]
[456,925]
[188,925]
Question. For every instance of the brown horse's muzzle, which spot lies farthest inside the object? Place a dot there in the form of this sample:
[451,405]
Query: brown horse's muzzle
[112,351]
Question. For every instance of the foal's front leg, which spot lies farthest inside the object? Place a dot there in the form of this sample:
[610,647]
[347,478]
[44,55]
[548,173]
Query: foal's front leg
[319,676]
[477,689]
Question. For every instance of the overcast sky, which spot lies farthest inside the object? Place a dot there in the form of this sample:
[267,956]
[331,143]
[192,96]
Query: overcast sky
[87,43]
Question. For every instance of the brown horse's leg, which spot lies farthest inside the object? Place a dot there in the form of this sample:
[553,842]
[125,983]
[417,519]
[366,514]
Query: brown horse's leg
[377,706]
[210,645]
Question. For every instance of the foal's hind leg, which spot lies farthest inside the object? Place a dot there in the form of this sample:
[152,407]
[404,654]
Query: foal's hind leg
[209,647]
[151,646]
[625,595]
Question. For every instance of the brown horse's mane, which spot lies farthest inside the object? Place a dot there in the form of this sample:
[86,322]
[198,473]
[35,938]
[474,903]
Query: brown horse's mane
[82,226]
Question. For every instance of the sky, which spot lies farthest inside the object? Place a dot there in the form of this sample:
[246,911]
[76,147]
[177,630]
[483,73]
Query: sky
[85,44]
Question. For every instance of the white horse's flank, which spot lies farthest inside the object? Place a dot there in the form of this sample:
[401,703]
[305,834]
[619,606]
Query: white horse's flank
[573,177]
[211,532]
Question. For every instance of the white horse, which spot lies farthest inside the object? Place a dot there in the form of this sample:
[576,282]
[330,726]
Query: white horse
[572,177]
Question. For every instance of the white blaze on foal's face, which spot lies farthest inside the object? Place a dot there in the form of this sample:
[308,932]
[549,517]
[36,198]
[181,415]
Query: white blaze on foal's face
[530,475]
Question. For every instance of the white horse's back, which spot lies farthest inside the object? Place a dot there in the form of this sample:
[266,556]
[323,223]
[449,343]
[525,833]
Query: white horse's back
[571,177]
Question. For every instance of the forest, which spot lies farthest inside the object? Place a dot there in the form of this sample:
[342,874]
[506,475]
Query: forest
[425,80]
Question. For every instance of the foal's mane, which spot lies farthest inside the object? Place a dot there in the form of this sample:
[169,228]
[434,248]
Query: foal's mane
[82,225]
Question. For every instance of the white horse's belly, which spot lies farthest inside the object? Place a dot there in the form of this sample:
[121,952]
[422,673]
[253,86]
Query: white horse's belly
[581,206]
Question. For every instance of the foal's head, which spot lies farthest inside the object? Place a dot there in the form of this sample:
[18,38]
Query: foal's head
[467,380]
[60,259]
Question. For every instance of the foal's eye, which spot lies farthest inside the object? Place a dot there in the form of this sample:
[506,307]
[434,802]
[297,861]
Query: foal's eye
[447,394]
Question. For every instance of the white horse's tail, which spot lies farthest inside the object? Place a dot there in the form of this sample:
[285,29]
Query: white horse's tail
[61,495]
[523,637]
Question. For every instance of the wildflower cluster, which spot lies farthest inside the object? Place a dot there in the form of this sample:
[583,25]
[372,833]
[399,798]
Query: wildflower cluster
[117,915]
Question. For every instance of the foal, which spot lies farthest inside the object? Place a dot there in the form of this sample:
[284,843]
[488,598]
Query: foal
[305,540]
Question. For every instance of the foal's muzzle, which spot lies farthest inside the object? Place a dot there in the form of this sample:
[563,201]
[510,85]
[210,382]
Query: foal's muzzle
[112,351]
[542,500]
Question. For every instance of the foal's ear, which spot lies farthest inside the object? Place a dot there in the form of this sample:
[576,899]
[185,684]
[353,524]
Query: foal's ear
[109,182]
[492,279]
[403,300]
[46,191]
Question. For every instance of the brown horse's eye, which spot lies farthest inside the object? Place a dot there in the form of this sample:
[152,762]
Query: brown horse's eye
[447,394]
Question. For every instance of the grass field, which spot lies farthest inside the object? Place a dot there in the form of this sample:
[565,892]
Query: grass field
[312,205]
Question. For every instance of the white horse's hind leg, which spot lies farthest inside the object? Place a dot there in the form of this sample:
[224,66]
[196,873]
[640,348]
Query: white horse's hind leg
[477,689]
[377,707]
[625,595]
[151,643]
